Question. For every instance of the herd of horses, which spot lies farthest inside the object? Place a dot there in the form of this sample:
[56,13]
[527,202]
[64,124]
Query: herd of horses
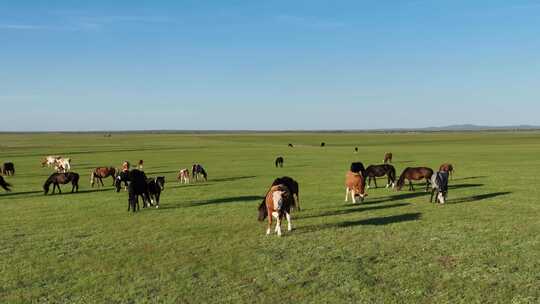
[280,199]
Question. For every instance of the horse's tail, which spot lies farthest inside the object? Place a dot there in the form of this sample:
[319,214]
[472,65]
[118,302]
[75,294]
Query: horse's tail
[263,212]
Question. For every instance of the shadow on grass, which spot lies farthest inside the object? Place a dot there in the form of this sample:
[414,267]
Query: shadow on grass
[352,210]
[13,193]
[476,198]
[376,221]
[468,178]
[234,178]
[417,193]
[224,200]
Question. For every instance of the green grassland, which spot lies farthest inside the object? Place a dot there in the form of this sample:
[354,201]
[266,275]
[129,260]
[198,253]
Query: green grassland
[204,245]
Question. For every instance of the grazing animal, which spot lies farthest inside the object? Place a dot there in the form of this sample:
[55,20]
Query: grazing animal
[100,173]
[121,176]
[62,165]
[411,174]
[183,176]
[5,185]
[388,157]
[155,187]
[279,162]
[374,171]
[355,184]
[197,171]
[58,179]
[49,161]
[140,165]
[277,204]
[358,167]
[355,149]
[291,146]
[447,167]
[8,169]
[138,186]
[293,187]
[439,186]
[323,144]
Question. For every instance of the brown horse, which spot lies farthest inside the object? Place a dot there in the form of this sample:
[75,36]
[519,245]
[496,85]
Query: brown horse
[447,167]
[356,185]
[411,174]
[388,157]
[62,178]
[102,172]
[278,203]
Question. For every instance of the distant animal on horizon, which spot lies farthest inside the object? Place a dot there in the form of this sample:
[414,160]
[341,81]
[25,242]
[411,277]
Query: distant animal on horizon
[8,168]
[447,167]
[137,186]
[279,162]
[140,165]
[355,149]
[388,157]
[155,187]
[355,184]
[5,185]
[183,176]
[198,172]
[277,204]
[418,173]
[358,167]
[374,171]
[58,179]
[439,187]
[323,144]
[102,172]
[293,187]
[291,146]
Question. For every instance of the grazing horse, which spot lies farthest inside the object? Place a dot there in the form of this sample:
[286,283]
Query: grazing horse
[138,186]
[411,174]
[358,167]
[277,204]
[291,146]
[58,179]
[183,176]
[374,171]
[447,167]
[5,185]
[155,187]
[100,173]
[355,149]
[293,187]
[197,171]
[388,157]
[279,162]
[355,184]
[8,169]
[439,185]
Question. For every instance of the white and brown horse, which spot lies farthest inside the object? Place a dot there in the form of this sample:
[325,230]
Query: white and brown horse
[277,204]
[355,184]
[59,163]
[183,176]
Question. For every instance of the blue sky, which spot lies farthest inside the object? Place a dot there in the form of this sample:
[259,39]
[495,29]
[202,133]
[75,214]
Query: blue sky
[69,65]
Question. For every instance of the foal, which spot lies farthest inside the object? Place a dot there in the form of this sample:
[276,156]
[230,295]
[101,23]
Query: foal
[277,204]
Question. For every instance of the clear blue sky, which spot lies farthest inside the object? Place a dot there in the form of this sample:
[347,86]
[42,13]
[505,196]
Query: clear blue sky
[93,65]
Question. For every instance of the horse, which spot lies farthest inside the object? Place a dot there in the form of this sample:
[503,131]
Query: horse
[355,149]
[121,176]
[155,187]
[358,167]
[49,161]
[293,187]
[323,144]
[138,186]
[411,174]
[447,167]
[355,184]
[100,173]
[196,171]
[374,171]
[140,165]
[290,145]
[5,185]
[8,168]
[439,185]
[62,165]
[388,157]
[58,179]
[279,162]
[183,176]
[277,204]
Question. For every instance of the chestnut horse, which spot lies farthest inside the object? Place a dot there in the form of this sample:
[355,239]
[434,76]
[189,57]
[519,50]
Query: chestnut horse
[100,173]
[277,204]
[388,157]
[447,167]
[356,185]
[374,171]
[62,178]
[417,173]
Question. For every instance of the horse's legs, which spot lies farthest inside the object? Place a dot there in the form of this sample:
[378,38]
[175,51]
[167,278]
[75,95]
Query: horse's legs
[353,196]
[297,201]
[375,180]
[432,194]
[411,187]
[101,181]
[278,224]
[157,199]
[427,184]
[289,224]
[269,227]
[346,194]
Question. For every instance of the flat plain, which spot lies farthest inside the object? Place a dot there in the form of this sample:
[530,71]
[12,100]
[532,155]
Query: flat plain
[205,245]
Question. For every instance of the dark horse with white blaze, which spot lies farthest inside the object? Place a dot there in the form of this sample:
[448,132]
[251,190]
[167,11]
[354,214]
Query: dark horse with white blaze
[418,173]
[279,162]
[58,179]
[4,184]
[374,171]
[100,173]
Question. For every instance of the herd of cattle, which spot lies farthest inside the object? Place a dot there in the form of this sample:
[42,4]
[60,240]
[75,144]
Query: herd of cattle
[280,199]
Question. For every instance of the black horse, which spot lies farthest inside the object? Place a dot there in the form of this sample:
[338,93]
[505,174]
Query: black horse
[123,176]
[292,185]
[374,171]
[155,186]
[4,184]
[323,144]
[8,169]
[198,170]
[358,167]
[58,179]
[137,186]
[279,162]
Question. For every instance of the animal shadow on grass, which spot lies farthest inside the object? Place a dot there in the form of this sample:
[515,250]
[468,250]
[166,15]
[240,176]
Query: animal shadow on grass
[234,178]
[419,192]
[21,193]
[480,197]
[376,221]
[92,190]
[352,210]
[217,201]
[468,178]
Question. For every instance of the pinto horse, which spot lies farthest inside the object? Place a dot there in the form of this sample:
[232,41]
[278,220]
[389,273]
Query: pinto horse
[447,167]
[58,179]
[293,187]
[279,162]
[439,185]
[183,176]
[388,157]
[374,171]
[5,185]
[100,173]
[417,173]
[277,204]
[355,184]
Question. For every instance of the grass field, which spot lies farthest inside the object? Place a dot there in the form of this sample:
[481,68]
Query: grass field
[205,245]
